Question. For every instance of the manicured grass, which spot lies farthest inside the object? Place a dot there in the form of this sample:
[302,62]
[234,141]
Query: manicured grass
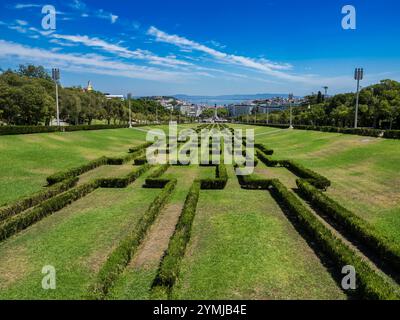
[136,281]
[364,171]
[243,247]
[75,240]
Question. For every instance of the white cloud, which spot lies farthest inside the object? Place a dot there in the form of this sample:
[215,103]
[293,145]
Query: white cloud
[21,22]
[265,66]
[113,18]
[122,51]
[27,5]
[86,63]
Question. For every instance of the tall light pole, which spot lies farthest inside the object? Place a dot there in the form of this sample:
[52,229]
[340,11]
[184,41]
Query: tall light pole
[55,74]
[291,112]
[358,75]
[130,111]
[267,115]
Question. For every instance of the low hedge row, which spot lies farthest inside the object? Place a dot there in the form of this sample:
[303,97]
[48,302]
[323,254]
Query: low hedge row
[22,221]
[389,134]
[264,149]
[11,130]
[33,200]
[170,264]
[220,180]
[251,183]
[141,160]
[388,251]
[140,147]
[74,172]
[370,285]
[267,161]
[121,256]
[154,180]
[124,181]
[311,176]
[392,134]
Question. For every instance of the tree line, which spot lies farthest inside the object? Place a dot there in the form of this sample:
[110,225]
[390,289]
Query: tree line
[379,108]
[27,97]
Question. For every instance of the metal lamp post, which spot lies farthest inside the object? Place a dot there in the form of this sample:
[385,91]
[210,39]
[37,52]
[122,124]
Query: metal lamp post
[358,75]
[130,111]
[291,112]
[55,74]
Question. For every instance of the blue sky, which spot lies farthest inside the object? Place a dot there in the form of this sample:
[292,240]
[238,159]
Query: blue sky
[164,47]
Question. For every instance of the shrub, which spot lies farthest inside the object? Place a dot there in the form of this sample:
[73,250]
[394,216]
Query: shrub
[22,221]
[140,147]
[264,149]
[140,161]
[220,180]
[388,251]
[73,172]
[124,181]
[169,267]
[314,178]
[30,201]
[12,130]
[370,285]
[120,257]
[267,161]
[154,180]
[392,134]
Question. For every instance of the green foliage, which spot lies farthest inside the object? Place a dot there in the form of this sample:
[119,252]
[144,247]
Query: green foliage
[370,285]
[125,181]
[387,250]
[314,178]
[264,149]
[33,200]
[23,220]
[73,172]
[120,257]
[169,266]
[220,180]
[154,180]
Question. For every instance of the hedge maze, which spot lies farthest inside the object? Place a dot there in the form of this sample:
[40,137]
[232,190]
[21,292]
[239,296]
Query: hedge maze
[337,233]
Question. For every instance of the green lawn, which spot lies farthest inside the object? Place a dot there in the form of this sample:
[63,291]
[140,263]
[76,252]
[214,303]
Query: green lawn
[365,171]
[242,245]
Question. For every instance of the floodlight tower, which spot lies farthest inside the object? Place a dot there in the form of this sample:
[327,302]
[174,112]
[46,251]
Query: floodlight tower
[358,75]
[130,110]
[326,90]
[55,75]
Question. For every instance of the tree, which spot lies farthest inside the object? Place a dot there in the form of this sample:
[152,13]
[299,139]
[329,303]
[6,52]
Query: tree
[32,71]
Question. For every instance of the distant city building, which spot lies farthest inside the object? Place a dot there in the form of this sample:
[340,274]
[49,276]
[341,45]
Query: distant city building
[114,96]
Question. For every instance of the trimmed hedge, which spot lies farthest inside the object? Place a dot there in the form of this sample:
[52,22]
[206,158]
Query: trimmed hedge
[264,149]
[73,172]
[154,180]
[33,200]
[314,178]
[388,251]
[76,171]
[389,134]
[392,134]
[140,161]
[170,264]
[12,130]
[140,147]
[219,182]
[370,285]
[267,161]
[124,181]
[22,221]
[121,256]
